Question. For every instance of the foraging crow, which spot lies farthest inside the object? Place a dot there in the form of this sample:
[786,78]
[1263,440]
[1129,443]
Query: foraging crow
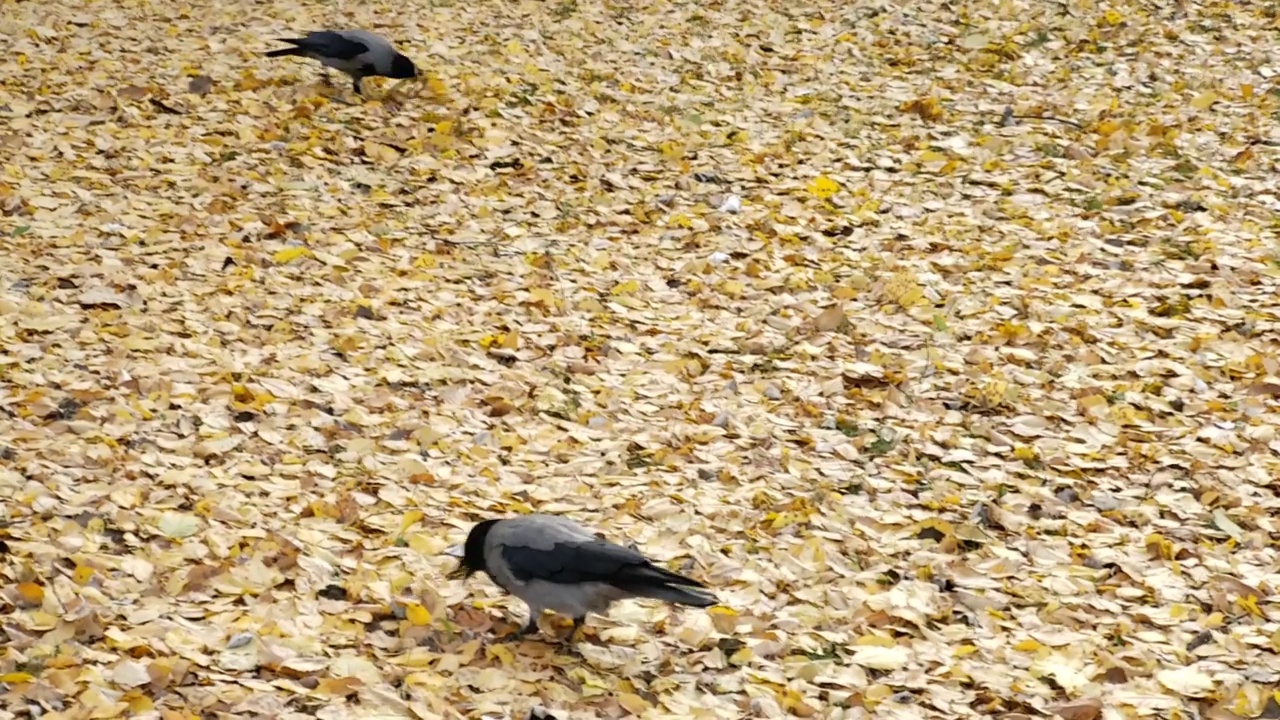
[552,563]
[358,53]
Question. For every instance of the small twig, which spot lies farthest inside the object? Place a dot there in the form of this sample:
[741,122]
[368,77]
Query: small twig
[165,108]
[1008,115]
[1064,121]
[54,591]
[389,143]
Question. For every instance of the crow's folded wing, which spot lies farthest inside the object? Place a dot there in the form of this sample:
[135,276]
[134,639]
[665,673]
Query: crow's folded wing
[569,562]
[332,45]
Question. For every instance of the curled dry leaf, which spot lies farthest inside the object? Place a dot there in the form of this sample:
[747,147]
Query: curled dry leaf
[1082,709]
[1189,681]
[829,319]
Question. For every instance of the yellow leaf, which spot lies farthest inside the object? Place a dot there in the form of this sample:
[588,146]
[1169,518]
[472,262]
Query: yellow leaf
[625,288]
[290,254]
[1204,100]
[911,296]
[671,149]
[416,614]
[926,108]
[633,703]
[824,187]
[1108,127]
[1112,18]
[380,153]
[874,641]
[139,703]
[14,678]
[1027,645]
[543,296]
[1246,91]
[1249,604]
[964,650]
[31,594]
[502,653]
[410,518]
[425,261]
[82,575]
[421,543]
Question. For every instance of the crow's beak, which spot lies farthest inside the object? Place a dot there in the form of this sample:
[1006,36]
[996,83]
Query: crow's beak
[401,83]
[461,571]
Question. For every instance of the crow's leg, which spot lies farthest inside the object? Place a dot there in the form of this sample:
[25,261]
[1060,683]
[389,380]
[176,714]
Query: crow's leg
[529,627]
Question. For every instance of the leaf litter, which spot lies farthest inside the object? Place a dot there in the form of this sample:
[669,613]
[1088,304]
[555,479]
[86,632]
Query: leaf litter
[939,338]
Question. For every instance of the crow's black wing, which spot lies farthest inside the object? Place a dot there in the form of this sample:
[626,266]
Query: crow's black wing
[573,562]
[331,45]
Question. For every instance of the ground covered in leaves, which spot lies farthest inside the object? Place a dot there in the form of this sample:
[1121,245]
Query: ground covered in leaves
[939,338]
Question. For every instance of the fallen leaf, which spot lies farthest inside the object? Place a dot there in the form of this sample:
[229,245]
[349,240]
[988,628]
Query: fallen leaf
[1081,709]
[1187,681]
[829,319]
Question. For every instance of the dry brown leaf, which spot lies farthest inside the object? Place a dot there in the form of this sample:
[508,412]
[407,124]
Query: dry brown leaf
[829,319]
[1082,709]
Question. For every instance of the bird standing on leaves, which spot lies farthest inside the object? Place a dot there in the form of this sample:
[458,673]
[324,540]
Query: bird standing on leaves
[552,563]
[358,53]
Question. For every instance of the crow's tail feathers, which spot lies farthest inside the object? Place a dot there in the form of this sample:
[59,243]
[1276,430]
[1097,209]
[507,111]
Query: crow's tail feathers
[662,584]
[681,595]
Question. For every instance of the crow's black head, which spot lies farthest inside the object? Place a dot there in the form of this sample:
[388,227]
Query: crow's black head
[402,67]
[473,550]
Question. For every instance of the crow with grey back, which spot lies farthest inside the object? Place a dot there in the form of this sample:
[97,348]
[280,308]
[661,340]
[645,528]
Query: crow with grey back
[358,53]
[552,563]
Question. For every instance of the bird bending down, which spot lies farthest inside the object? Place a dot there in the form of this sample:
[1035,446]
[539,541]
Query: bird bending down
[358,53]
[552,563]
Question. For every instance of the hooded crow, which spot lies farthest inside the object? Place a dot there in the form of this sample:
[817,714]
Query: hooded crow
[552,563]
[358,53]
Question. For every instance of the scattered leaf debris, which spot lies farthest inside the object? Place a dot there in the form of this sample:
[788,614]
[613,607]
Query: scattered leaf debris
[939,338]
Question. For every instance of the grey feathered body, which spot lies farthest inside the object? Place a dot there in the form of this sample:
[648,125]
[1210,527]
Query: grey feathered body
[378,54]
[553,563]
[358,53]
